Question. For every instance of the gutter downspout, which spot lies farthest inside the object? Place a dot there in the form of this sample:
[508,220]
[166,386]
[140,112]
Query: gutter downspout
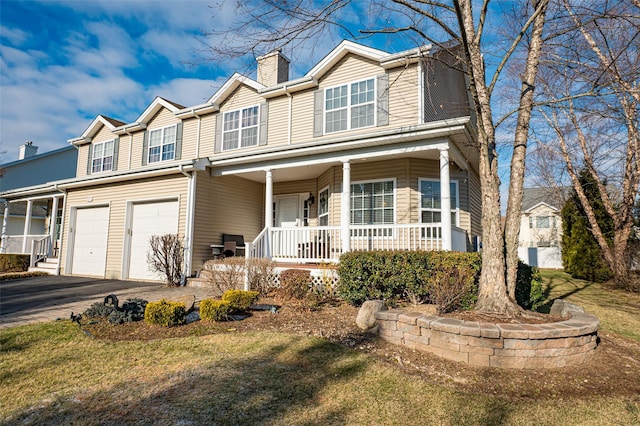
[198,137]
[188,250]
[5,222]
[64,212]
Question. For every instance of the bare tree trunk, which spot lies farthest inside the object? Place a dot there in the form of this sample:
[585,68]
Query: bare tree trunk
[516,183]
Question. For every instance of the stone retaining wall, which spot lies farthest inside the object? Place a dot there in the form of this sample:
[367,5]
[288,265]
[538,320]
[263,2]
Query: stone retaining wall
[526,346]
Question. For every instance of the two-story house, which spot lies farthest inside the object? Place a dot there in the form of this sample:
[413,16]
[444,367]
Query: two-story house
[367,150]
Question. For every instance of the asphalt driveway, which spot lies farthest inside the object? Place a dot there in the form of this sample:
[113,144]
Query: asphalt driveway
[48,298]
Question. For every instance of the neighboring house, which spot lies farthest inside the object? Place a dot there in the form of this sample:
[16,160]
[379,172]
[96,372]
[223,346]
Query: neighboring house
[29,199]
[368,150]
[541,227]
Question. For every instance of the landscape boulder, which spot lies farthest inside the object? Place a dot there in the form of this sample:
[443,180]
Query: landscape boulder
[563,308]
[366,319]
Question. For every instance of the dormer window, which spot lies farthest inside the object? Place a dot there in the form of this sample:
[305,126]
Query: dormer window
[102,157]
[162,144]
[240,128]
[350,106]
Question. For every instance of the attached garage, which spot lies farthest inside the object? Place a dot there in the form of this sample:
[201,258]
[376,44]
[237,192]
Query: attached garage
[90,233]
[147,219]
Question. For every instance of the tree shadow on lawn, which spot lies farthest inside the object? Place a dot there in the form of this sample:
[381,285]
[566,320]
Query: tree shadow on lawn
[277,386]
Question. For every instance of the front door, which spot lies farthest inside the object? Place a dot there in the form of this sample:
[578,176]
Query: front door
[288,211]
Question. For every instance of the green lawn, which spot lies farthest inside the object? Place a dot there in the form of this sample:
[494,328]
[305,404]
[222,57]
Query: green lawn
[52,373]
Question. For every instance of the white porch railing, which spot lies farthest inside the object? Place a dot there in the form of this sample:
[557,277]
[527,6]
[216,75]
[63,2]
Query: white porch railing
[322,244]
[40,249]
[14,243]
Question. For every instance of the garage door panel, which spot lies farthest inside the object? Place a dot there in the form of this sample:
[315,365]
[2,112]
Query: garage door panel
[90,241]
[147,220]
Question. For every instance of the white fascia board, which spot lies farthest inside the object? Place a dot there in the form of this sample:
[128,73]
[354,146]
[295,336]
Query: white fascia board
[21,194]
[153,108]
[230,85]
[541,204]
[91,130]
[196,111]
[407,56]
[291,86]
[405,134]
[338,53]
[175,168]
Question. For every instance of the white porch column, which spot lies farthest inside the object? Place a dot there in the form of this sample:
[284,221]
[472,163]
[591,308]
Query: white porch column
[268,200]
[53,216]
[345,207]
[27,225]
[445,200]
[5,221]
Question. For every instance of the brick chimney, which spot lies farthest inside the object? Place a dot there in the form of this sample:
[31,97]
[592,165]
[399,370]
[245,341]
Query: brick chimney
[273,68]
[27,150]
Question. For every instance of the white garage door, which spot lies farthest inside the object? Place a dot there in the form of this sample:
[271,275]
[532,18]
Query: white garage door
[149,219]
[90,241]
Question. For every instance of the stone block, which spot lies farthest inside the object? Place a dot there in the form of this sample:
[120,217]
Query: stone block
[409,317]
[485,342]
[387,325]
[479,360]
[470,328]
[392,333]
[451,355]
[409,329]
[388,315]
[450,325]
[413,338]
[476,350]
[513,331]
[489,330]
[449,337]
[437,343]
[519,353]
[426,320]
[392,339]
[563,308]
[189,301]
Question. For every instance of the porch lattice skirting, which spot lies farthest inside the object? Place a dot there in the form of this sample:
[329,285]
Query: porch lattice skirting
[523,346]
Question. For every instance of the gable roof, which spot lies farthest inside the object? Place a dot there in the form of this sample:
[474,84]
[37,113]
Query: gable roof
[94,127]
[552,197]
[153,108]
[232,84]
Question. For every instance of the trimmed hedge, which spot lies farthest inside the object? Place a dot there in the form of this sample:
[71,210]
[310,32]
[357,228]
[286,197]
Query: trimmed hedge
[240,300]
[214,310]
[166,314]
[14,262]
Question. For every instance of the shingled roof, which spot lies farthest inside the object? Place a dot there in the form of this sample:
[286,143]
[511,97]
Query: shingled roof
[555,197]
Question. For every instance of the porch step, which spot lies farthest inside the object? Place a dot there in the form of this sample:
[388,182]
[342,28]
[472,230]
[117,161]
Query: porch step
[49,266]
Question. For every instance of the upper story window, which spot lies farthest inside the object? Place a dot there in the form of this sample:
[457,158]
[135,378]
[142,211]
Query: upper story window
[431,201]
[102,157]
[162,144]
[542,222]
[240,128]
[350,106]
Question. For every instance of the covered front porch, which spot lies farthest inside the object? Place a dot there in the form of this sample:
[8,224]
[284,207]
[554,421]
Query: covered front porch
[410,196]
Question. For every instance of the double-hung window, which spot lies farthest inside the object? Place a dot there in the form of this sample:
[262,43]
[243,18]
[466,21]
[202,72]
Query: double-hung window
[162,144]
[102,157]
[240,128]
[350,106]
[542,222]
[373,203]
[430,201]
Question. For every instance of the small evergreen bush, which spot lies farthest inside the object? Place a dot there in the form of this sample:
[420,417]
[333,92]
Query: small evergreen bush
[164,313]
[240,300]
[214,310]
[131,310]
[529,292]
[295,284]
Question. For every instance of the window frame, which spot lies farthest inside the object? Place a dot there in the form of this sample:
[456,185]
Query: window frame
[383,232]
[325,214]
[454,209]
[162,144]
[101,168]
[350,106]
[240,128]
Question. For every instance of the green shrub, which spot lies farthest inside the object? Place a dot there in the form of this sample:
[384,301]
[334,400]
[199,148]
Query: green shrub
[131,310]
[14,262]
[529,293]
[240,300]
[295,283]
[453,280]
[164,313]
[214,310]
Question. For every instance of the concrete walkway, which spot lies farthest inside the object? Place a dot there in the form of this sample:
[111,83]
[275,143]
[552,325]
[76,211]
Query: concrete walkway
[38,299]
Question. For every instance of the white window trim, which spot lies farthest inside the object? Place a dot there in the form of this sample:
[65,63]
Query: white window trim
[162,144]
[395,203]
[456,209]
[239,129]
[350,106]
[326,188]
[93,153]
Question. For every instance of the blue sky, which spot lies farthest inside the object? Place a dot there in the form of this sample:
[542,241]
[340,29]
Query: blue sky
[65,62]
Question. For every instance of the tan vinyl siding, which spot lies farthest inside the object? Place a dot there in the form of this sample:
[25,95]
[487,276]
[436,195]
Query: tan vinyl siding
[189,138]
[136,150]
[163,118]
[350,68]
[302,120]
[207,135]
[278,124]
[83,159]
[225,204]
[117,195]
[242,97]
[475,201]
[294,187]
[404,107]
[123,152]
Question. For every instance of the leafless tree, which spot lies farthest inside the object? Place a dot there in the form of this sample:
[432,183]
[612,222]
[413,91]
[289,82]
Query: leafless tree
[165,257]
[591,74]
[264,26]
